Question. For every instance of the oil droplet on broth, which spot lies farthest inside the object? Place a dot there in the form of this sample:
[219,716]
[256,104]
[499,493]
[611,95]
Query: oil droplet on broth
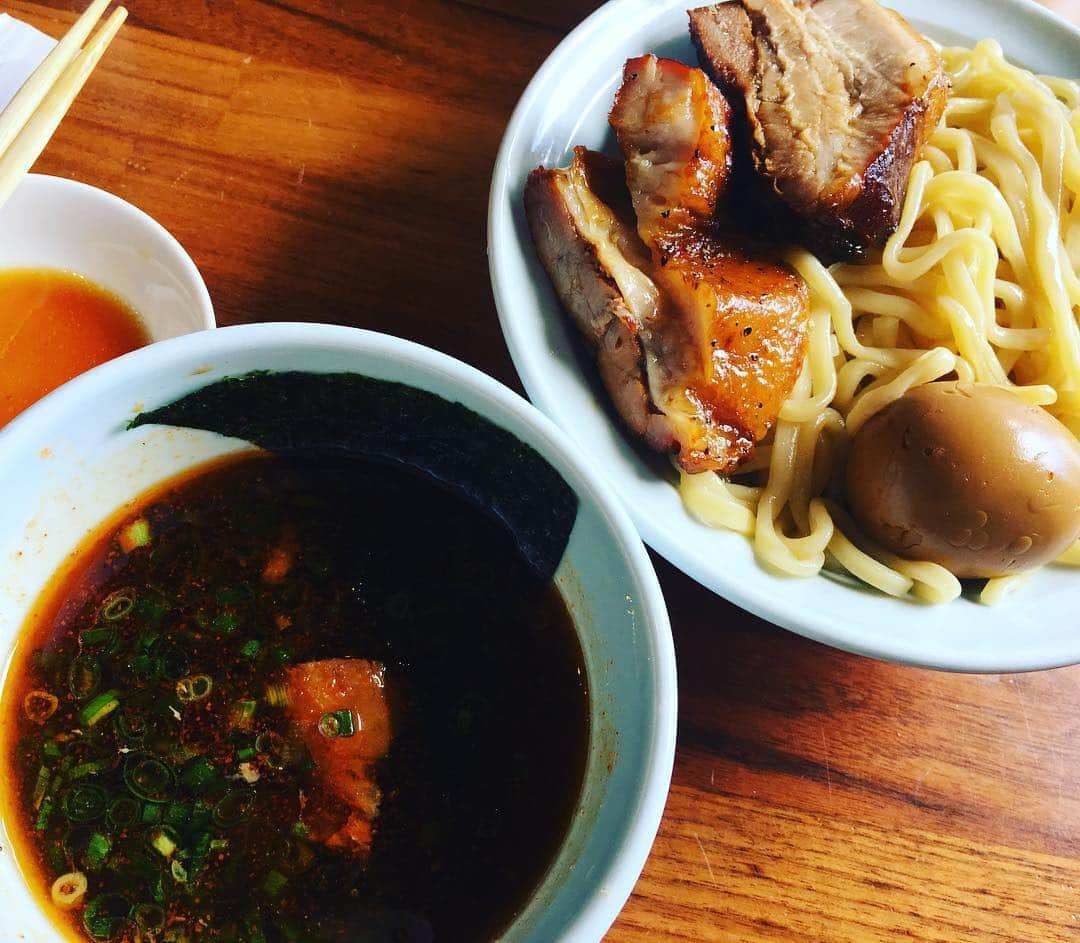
[55,325]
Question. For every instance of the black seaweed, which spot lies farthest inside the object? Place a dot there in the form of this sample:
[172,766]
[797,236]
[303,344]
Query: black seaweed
[295,413]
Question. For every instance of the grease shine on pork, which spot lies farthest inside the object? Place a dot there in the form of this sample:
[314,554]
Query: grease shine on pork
[838,98]
[698,339]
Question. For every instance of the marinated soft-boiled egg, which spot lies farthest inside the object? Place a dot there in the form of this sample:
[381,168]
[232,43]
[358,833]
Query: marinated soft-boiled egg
[968,476]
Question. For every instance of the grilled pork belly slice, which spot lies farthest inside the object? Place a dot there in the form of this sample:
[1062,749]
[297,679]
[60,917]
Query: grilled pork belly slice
[840,96]
[595,261]
[736,317]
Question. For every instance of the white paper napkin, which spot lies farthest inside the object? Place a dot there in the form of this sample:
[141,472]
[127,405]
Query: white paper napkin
[21,50]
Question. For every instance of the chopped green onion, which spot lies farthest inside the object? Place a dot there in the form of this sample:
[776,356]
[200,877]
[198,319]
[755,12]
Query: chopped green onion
[41,786]
[97,850]
[149,639]
[274,883]
[251,648]
[219,844]
[199,774]
[101,638]
[151,814]
[158,890]
[194,688]
[277,695]
[282,654]
[130,725]
[105,916]
[57,860]
[275,748]
[150,918]
[299,830]
[233,809]
[241,715]
[39,706]
[122,812]
[180,752]
[199,848]
[148,778]
[202,813]
[134,535]
[172,663]
[164,841]
[224,623]
[50,749]
[141,665]
[179,872]
[99,707]
[151,608]
[68,890]
[177,814]
[84,676]
[91,769]
[85,802]
[243,754]
[335,724]
[44,814]
[117,605]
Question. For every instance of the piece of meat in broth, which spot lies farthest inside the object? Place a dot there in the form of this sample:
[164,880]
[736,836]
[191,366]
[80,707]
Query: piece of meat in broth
[736,317]
[838,96]
[339,708]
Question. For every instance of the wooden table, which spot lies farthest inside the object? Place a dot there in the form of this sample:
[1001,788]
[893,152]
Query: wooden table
[329,161]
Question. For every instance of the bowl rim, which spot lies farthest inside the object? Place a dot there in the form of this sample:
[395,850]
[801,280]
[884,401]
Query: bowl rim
[610,888]
[845,632]
[118,205]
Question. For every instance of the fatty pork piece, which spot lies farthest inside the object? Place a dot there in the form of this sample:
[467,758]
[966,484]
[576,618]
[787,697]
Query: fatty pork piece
[840,96]
[338,708]
[736,316]
[583,230]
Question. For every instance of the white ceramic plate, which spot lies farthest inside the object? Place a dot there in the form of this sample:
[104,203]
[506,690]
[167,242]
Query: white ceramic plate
[53,222]
[567,104]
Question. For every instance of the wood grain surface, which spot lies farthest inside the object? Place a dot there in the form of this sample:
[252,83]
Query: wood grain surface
[329,161]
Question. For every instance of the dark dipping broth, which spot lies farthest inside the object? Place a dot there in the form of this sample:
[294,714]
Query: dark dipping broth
[170,774]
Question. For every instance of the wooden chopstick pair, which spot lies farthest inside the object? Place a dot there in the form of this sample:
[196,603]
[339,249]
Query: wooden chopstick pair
[37,109]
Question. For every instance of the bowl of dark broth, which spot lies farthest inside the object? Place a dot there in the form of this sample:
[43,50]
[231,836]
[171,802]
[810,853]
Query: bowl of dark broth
[312,634]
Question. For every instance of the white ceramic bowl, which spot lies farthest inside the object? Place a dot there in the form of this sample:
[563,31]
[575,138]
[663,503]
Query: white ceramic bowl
[53,222]
[566,104]
[64,468]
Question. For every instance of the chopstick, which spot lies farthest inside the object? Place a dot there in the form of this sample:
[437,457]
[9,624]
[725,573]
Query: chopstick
[37,109]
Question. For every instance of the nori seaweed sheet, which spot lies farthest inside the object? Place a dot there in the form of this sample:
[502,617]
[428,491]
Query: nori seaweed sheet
[296,413]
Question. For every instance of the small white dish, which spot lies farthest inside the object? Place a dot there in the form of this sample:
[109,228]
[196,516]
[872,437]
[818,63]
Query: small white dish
[53,222]
[65,468]
[567,104]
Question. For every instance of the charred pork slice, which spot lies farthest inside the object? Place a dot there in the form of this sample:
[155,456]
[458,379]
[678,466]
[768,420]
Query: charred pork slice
[840,96]
[734,324]
[596,263]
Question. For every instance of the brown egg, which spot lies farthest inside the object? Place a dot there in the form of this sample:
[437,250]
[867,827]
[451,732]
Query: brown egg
[968,476]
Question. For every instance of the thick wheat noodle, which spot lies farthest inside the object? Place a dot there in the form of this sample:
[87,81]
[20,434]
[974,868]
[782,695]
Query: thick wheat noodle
[979,281]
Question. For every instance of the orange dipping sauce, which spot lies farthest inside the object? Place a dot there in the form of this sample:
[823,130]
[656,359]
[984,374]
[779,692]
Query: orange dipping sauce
[55,325]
